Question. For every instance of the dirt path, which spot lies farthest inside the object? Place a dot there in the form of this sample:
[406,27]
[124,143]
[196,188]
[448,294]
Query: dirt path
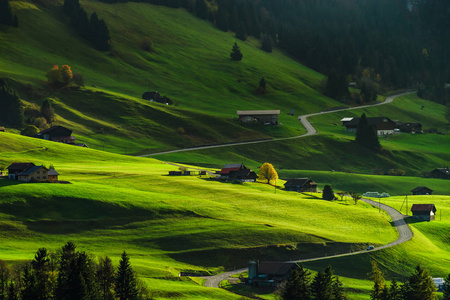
[398,219]
[310,130]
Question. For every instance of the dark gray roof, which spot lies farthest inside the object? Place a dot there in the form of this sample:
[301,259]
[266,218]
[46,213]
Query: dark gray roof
[419,188]
[299,182]
[19,166]
[275,268]
[446,170]
[423,207]
[52,172]
[232,166]
[371,120]
[31,170]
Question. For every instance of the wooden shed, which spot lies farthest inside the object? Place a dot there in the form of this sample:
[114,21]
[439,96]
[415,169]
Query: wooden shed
[15,169]
[266,117]
[422,190]
[424,212]
[301,185]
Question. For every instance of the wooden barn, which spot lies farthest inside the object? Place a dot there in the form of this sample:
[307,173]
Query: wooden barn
[424,212]
[301,185]
[57,134]
[443,173]
[35,173]
[383,125]
[269,273]
[237,172]
[15,169]
[266,117]
[422,190]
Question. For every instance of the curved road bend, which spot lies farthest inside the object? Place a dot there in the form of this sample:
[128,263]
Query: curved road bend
[310,130]
[405,234]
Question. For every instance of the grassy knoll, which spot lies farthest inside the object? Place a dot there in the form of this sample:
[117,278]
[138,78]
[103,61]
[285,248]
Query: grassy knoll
[190,64]
[168,224]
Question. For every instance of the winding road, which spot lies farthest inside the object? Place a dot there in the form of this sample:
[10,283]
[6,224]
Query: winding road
[310,130]
[398,219]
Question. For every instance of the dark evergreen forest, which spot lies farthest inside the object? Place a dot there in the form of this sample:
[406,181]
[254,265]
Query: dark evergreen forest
[398,43]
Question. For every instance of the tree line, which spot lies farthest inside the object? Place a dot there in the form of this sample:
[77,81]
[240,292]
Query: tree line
[300,286]
[93,29]
[418,286]
[69,274]
[11,112]
[403,43]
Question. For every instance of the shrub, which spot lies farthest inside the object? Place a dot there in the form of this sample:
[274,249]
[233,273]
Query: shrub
[30,130]
[147,44]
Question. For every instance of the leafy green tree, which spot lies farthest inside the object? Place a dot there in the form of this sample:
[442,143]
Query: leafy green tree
[297,286]
[355,196]
[328,193]
[366,135]
[378,282]
[126,285]
[268,172]
[236,53]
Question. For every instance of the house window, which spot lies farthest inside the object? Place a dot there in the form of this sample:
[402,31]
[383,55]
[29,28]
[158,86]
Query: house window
[45,177]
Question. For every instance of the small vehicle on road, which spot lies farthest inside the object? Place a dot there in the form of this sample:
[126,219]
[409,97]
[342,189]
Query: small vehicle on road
[370,247]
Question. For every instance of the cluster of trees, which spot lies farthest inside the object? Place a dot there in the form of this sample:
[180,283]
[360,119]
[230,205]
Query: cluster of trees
[59,77]
[92,29]
[11,112]
[70,274]
[324,286]
[268,172]
[6,15]
[418,286]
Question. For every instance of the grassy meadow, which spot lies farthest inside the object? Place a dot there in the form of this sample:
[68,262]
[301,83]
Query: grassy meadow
[168,224]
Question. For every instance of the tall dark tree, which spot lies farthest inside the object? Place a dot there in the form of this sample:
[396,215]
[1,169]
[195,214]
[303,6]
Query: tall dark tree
[395,291]
[262,83]
[236,53]
[447,288]
[201,9]
[126,285]
[338,290]
[378,282]
[297,286]
[322,285]
[28,291]
[11,113]
[67,256]
[105,278]
[266,43]
[421,286]
[47,111]
[328,193]
[5,274]
[366,135]
[40,267]
[6,15]
[337,86]
[13,292]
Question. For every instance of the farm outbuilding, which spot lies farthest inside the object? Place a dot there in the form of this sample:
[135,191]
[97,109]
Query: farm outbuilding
[443,173]
[57,134]
[268,273]
[266,117]
[422,190]
[237,172]
[383,125]
[424,212]
[15,169]
[301,185]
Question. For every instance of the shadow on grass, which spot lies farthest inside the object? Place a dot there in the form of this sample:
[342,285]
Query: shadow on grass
[56,215]
[4,181]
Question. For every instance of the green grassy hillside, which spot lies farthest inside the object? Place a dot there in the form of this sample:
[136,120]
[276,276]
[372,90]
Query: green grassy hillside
[166,223]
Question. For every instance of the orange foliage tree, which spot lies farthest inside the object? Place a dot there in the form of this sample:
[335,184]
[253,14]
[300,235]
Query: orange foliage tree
[60,76]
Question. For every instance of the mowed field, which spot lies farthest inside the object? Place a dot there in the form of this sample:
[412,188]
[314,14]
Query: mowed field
[167,224]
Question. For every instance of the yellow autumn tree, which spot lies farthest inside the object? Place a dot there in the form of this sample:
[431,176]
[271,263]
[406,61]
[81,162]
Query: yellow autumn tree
[66,74]
[267,172]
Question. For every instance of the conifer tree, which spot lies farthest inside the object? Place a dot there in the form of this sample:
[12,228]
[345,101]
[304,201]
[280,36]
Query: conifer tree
[394,291]
[105,278]
[266,43]
[6,15]
[421,286]
[378,282]
[126,285]
[297,286]
[447,288]
[12,291]
[201,9]
[5,274]
[47,111]
[28,291]
[11,112]
[338,291]
[366,135]
[262,83]
[236,53]
[40,267]
[322,285]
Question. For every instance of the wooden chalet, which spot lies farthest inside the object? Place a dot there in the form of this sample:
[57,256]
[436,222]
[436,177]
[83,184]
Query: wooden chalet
[57,134]
[422,190]
[52,175]
[269,273]
[424,212]
[266,117]
[301,185]
[443,173]
[15,169]
[35,173]
[237,172]
[383,125]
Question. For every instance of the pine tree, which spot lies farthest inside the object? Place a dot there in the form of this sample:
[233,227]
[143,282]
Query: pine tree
[328,193]
[40,267]
[421,285]
[11,113]
[394,291]
[105,278]
[322,285]
[126,286]
[5,274]
[12,291]
[6,15]
[47,111]
[366,135]
[297,286]
[236,53]
[338,291]
[266,43]
[62,283]
[201,9]
[378,282]
[28,291]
